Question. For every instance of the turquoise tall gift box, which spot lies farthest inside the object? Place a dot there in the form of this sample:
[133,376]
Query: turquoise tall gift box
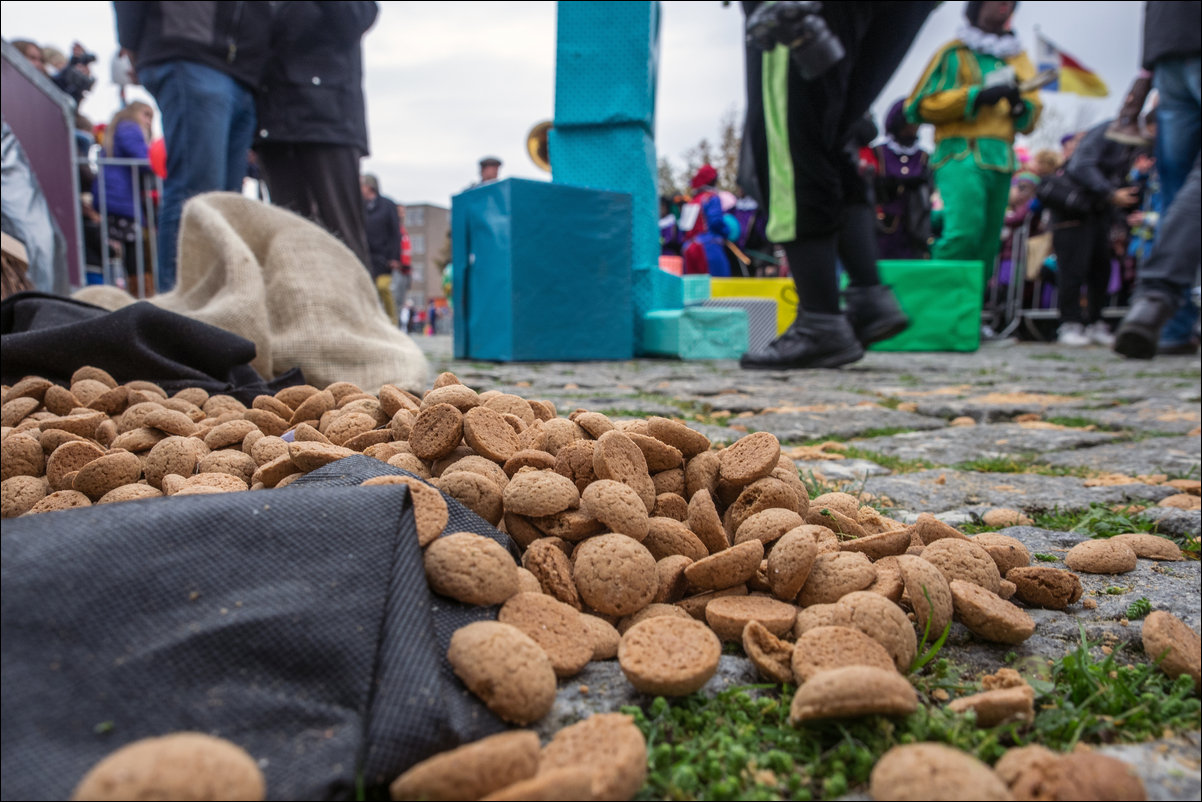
[541,272]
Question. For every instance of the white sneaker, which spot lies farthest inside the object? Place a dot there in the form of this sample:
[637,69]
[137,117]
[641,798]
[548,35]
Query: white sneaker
[1099,334]
[1072,334]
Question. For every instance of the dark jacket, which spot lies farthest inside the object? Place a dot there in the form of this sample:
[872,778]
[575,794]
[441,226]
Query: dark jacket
[232,37]
[312,91]
[1099,164]
[383,234]
[1172,30]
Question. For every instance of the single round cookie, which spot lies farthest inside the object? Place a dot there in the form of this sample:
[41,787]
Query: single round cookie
[21,454]
[485,430]
[688,441]
[617,506]
[888,580]
[1170,641]
[476,492]
[610,745]
[471,771]
[175,454]
[668,536]
[821,615]
[1101,557]
[1007,552]
[760,495]
[550,565]
[965,560]
[540,493]
[929,594]
[470,568]
[727,568]
[772,657]
[669,656]
[60,500]
[575,461]
[652,610]
[751,457]
[659,455]
[998,706]
[1045,586]
[701,473]
[672,582]
[881,544]
[430,511]
[615,574]
[704,521]
[1080,775]
[823,648]
[553,625]
[884,622]
[696,604]
[669,481]
[477,464]
[18,494]
[929,529]
[437,431]
[108,473]
[507,670]
[131,492]
[933,771]
[527,458]
[1150,547]
[729,614]
[615,456]
[844,503]
[572,525]
[988,615]
[182,765]
[1020,759]
[767,526]
[309,456]
[834,575]
[853,691]
[68,458]
[670,505]
[604,636]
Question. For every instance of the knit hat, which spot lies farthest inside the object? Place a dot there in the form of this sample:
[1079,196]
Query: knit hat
[895,120]
[706,176]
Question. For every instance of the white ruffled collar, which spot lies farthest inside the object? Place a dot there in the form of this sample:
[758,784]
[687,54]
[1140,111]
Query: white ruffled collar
[900,149]
[991,44]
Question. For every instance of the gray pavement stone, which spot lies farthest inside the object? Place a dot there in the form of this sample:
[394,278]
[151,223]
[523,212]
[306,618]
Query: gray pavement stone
[1175,456]
[1152,415]
[835,421]
[958,444]
[940,490]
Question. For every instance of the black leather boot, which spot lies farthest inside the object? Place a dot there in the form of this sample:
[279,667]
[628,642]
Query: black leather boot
[873,313]
[1126,129]
[813,341]
[1140,330]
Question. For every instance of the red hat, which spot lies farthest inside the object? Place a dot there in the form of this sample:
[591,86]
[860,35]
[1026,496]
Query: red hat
[705,176]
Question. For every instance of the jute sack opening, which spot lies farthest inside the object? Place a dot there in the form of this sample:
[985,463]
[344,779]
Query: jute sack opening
[290,287]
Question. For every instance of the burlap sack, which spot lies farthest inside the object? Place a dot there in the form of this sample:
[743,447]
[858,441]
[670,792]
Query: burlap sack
[290,287]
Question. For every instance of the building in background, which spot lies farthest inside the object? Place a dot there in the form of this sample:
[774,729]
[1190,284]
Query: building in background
[429,228]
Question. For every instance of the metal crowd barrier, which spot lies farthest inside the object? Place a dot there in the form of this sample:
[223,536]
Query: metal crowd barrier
[148,187]
[1014,306]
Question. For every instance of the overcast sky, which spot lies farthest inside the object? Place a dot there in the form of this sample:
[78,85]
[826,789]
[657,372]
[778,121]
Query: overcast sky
[448,83]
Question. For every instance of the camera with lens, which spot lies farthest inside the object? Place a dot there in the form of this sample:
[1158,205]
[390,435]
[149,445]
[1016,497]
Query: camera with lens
[799,26]
[75,82]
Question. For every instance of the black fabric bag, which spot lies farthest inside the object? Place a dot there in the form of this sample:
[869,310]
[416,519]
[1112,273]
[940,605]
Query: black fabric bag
[296,623]
[52,337]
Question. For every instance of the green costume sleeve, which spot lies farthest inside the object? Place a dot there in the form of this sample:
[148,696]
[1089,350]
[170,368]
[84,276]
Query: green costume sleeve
[937,98]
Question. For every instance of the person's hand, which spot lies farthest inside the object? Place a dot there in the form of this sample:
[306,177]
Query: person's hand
[990,95]
[1124,197]
[125,52]
[1135,219]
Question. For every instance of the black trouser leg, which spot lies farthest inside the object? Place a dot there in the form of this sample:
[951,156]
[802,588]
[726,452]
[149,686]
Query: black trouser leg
[812,263]
[857,246]
[1098,277]
[1073,245]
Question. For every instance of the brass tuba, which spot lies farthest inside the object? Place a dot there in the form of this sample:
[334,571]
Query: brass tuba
[536,145]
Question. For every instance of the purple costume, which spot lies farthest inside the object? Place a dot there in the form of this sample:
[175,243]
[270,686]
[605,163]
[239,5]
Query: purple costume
[903,194]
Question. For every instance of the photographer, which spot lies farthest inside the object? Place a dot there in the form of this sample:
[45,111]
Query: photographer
[813,70]
[76,78]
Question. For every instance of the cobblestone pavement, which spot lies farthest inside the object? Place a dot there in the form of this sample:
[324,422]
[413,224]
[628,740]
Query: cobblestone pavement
[1028,426]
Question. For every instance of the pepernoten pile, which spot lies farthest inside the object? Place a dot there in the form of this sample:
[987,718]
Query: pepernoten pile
[640,541]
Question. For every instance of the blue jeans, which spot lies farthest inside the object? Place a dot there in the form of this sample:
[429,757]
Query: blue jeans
[1179,125]
[208,125]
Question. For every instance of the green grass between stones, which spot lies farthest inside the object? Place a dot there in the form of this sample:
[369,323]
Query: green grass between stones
[740,744]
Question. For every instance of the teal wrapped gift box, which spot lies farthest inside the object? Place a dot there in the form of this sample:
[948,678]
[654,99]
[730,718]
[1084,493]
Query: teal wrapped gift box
[541,272]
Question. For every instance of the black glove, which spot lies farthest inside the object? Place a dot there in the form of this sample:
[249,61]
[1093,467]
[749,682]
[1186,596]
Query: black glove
[990,95]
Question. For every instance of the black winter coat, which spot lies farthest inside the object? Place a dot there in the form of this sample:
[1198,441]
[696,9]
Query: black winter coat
[1171,30]
[312,91]
[232,37]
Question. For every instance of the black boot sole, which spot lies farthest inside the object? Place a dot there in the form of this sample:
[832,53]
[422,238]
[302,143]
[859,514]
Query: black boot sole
[1135,344]
[844,357]
[883,330]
